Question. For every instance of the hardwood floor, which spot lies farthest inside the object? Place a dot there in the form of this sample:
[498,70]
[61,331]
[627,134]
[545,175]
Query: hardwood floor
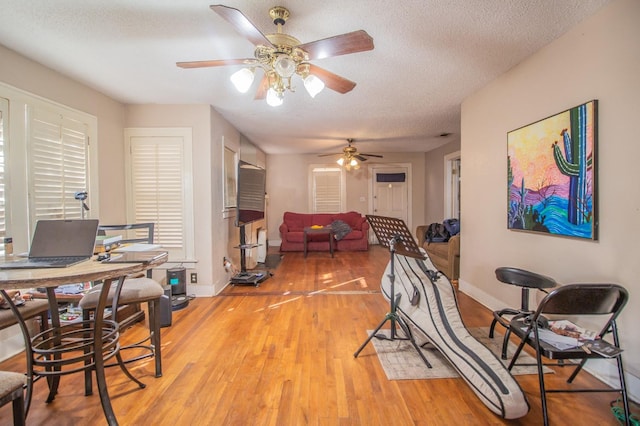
[282,354]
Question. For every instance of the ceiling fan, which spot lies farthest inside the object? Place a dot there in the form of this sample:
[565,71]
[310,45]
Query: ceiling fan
[350,156]
[282,56]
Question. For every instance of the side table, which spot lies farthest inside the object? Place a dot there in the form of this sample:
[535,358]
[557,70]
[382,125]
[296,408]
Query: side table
[318,231]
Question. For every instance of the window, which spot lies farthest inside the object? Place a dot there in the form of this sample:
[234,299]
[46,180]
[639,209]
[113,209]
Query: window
[45,159]
[57,164]
[159,186]
[327,190]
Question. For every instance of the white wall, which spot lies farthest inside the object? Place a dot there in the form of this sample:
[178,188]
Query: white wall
[598,59]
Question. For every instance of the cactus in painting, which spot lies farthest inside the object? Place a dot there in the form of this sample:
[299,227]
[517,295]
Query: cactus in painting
[575,163]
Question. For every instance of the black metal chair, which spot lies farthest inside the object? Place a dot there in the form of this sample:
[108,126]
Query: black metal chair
[603,300]
[135,290]
[527,281]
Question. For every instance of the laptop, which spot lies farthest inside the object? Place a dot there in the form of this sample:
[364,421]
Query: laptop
[58,244]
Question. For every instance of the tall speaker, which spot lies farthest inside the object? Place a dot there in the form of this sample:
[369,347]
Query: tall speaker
[177,279]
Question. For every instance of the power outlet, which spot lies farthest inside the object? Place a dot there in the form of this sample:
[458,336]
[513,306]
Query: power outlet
[194,278]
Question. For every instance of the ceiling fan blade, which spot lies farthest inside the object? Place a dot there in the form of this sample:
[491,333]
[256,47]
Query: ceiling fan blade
[328,155]
[241,24]
[215,63]
[331,80]
[373,155]
[357,41]
[261,93]
[360,157]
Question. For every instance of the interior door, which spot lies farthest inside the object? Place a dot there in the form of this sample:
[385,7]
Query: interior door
[390,193]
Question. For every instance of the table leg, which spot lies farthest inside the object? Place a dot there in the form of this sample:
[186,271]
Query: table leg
[54,380]
[331,238]
[304,238]
[99,360]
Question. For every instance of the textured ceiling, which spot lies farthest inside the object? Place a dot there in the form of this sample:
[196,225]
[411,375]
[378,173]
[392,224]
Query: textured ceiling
[429,56]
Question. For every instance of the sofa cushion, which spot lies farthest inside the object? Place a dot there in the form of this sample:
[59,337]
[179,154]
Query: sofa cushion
[295,236]
[354,235]
[295,221]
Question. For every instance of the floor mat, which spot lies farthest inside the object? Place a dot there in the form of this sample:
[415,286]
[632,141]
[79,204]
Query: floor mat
[400,360]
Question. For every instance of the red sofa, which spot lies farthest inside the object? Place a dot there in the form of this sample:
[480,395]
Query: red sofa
[292,231]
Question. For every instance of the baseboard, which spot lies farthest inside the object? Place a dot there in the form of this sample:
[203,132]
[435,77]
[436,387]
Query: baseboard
[604,370]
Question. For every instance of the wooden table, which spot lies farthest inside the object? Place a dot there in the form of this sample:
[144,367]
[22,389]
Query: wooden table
[51,278]
[318,231]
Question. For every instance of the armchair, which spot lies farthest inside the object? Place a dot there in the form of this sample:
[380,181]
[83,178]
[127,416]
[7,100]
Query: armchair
[445,256]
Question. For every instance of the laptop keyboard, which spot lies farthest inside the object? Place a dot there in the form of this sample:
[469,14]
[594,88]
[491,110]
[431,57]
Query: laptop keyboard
[61,260]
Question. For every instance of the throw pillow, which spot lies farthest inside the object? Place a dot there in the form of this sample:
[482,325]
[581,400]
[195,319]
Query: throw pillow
[340,229]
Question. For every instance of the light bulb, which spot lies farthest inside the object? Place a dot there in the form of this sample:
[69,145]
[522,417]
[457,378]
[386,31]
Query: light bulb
[274,98]
[340,161]
[313,85]
[242,79]
[284,66]
[353,162]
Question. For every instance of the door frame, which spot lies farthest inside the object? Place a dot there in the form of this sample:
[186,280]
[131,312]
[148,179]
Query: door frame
[449,191]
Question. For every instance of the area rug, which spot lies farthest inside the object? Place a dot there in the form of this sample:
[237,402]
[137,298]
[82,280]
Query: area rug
[401,361]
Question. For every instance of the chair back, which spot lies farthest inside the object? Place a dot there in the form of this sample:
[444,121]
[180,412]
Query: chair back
[585,299]
[135,233]
[142,232]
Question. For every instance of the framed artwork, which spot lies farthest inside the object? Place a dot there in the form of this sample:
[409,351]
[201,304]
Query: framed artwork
[551,174]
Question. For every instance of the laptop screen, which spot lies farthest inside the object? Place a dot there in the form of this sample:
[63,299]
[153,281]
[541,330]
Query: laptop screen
[57,238]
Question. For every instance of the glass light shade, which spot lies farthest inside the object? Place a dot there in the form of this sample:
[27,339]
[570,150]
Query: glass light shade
[313,85]
[242,79]
[284,66]
[273,98]
[340,161]
[353,162]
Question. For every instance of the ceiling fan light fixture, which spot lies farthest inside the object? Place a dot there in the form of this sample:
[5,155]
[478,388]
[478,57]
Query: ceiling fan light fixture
[274,98]
[313,85]
[242,79]
[284,65]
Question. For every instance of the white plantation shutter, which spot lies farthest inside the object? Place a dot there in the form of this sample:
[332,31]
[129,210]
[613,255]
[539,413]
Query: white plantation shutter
[47,151]
[327,190]
[159,190]
[57,164]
